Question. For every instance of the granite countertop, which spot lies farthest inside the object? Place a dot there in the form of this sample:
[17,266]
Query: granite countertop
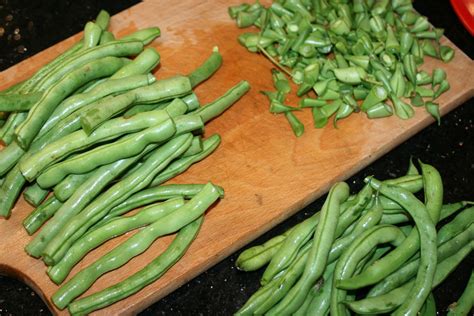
[27,27]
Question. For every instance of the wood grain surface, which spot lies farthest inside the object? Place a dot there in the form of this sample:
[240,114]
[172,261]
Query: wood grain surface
[267,173]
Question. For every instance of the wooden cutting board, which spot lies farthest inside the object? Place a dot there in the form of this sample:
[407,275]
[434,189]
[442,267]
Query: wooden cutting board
[267,173]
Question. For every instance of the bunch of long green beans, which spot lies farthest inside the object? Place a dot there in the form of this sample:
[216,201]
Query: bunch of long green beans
[94,135]
[382,243]
[355,56]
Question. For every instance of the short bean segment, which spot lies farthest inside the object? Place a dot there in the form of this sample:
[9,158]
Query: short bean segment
[116,194]
[112,229]
[136,244]
[204,71]
[142,278]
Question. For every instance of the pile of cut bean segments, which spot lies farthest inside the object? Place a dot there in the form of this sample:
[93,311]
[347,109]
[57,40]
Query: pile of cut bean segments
[381,250]
[360,55]
[93,135]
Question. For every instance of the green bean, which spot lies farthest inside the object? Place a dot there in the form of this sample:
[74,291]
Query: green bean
[429,308]
[395,218]
[7,132]
[155,194]
[409,270]
[115,195]
[296,126]
[142,278]
[103,19]
[112,229]
[136,245]
[402,109]
[41,214]
[318,255]
[108,153]
[182,164]
[106,37]
[256,257]
[92,33]
[79,140]
[28,130]
[145,35]
[465,302]
[64,189]
[427,236]
[10,190]
[204,71]
[446,53]
[452,208]
[379,111]
[321,299]
[376,95]
[108,87]
[358,250]
[388,264]
[433,109]
[9,156]
[18,102]
[218,106]
[461,222]
[442,88]
[116,49]
[389,301]
[289,248]
[144,63]
[195,148]
[397,81]
[88,190]
[158,91]
[34,194]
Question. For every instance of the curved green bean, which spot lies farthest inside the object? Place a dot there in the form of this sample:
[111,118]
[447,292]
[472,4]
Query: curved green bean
[142,278]
[127,146]
[97,181]
[206,70]
[115,195]
[65,189]
[112,229]
[9,156]
[144,63]
[145,35]
[136,245]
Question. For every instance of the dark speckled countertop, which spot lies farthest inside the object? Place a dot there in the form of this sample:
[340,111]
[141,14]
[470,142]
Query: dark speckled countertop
[27,27]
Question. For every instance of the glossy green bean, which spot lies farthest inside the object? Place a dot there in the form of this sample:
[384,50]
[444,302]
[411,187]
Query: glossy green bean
[427,236]
[217,107]
[409,270]
[18,102]
[10,190]
[461,222]
[180,165]
[86,192]
[112,229]
[145,35]
[108,153]
[108,87]
[318,255]
[143,63]
[452,208]
[92,33]
[41,214]
[359,249]
[64,189]
[103,19]
[204,71]
[465,302]
[135,245]
[142,278]
[9,156]
[113,196]
[40,112]
[34,194]
[7,132]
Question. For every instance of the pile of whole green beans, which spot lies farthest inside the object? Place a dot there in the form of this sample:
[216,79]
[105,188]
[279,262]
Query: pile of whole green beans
[381,250]
[94,135]
[360,55]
